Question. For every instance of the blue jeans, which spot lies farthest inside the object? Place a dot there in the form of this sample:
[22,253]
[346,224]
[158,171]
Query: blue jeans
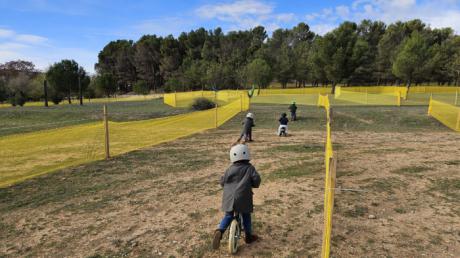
[229,217]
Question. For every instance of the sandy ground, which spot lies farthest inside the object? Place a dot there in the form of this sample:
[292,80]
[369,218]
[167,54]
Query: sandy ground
[404,203]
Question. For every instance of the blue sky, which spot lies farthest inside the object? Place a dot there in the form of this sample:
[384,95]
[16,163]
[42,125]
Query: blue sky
[46,31]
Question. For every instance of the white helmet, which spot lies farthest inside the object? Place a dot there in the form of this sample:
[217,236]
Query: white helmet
[250,115]
[239,152]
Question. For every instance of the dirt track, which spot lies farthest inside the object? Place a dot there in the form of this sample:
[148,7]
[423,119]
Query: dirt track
[164,201]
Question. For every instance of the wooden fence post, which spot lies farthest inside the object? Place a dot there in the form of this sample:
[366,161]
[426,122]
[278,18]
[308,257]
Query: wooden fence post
[366,97]
[175,99]
[45,91]
[456,97]
[215,100]
[457,127]
[106,130]
[430,106]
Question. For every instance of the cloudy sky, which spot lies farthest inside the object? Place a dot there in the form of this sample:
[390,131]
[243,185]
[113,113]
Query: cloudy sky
[46,31]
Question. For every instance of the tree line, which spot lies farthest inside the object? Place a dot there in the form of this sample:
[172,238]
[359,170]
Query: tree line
[368,53]
[21,82]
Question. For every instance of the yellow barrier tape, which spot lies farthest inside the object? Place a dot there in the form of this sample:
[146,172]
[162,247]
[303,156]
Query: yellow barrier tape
[447,114]
[316,90]
[186,99]
[27,155]
[433,89]
[366,98]
[386,90]
[364,95]
[329,179]
[305,99]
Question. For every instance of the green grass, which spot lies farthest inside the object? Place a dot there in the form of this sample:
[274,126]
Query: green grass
[299,170]
[450,188]
[453,162]
[387,185]
[345,118]
[356,211]
[28,119]
[400,210]
[411,170]
[424,98]
[299,148]
[384,118]
[96,177]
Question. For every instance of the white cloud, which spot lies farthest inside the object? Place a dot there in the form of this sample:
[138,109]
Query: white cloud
[437,14]
[285,17]
[322,29]
[6,33]
[33,48]
[11,46]
[12,36]
[74,8]
[235,10]
[160,26]
[245,14]
[28,38]
[342,11]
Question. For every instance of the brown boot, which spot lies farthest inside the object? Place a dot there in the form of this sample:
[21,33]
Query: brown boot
[251,239]
[216,239]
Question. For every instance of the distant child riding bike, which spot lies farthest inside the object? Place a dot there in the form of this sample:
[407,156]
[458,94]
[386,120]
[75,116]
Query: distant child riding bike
[248,124]
[282,129]
[293,110]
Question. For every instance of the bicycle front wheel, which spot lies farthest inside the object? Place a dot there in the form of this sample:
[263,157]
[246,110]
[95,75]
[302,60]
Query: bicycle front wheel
[233,237]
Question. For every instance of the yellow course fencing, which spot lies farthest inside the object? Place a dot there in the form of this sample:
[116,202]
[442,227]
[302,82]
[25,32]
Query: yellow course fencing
[186,99]
[386,90]
[329,185]
[347,96]
[295,91]
[433,89]
[302,96]
[27,155]
[447,114]
[375,95]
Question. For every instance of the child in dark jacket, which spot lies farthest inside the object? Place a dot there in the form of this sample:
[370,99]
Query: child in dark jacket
[293,109]
[282,129]
[238,181]
[248,124]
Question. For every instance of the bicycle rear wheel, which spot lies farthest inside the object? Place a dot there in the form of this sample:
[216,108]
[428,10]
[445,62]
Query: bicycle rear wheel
[233,237]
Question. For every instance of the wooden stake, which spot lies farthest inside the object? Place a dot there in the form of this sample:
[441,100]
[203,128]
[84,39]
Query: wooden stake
[215,100]
[45,91]
[366,97]
[429,106]
[456,98]
[175,99]
[457,127]
[80,91]
[106,127]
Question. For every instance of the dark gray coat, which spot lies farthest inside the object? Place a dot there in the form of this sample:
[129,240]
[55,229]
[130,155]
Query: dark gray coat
[238,181]
[248,124]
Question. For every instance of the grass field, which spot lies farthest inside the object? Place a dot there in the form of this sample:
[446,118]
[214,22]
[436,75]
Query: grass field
[164,201]
[122,98]
[28,119]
